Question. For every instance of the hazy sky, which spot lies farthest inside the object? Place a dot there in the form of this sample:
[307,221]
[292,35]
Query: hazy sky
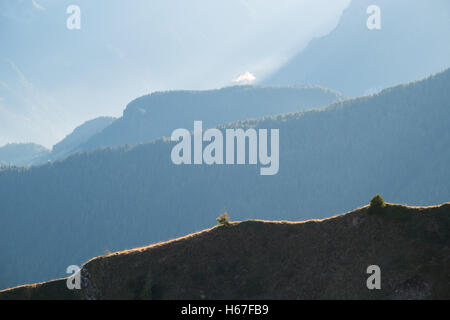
[53,79]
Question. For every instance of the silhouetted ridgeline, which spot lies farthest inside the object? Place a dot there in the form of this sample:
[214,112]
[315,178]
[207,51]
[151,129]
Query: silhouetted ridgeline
[356,60]
[325,259]
[158,114]
[331,160]
[79,136]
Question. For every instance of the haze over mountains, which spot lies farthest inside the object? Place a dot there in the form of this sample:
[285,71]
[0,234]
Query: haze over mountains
[412,43]
[53,79]
[158,114]
[79,136]
[115,187]
[22,154]
[331,160]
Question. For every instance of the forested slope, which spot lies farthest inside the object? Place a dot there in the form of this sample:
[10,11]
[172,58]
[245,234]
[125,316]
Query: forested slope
[331,160]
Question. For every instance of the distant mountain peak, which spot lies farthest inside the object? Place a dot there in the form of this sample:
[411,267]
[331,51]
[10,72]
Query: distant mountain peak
[357,61]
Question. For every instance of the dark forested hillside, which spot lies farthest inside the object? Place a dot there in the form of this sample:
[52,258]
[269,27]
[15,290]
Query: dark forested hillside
[158,114]
[331,160]
[411,44]
[318,259]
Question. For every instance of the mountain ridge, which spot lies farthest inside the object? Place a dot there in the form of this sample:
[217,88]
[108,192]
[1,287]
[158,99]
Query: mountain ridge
[253,260]
[357,61]
[79,135]
[157,114]
[331,160]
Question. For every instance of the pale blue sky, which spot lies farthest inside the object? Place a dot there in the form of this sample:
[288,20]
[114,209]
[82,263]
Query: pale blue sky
[53,79]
